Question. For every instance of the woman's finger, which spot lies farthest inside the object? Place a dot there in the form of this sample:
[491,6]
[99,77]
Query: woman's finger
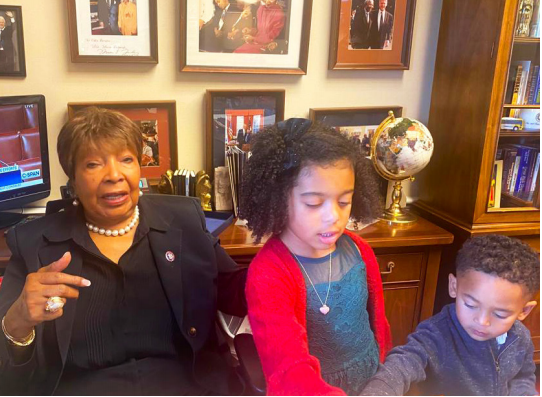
[59,265]
[52,278]
[60,290]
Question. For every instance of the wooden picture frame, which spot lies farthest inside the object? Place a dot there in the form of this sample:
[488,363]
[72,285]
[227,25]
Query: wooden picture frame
[159,128]
[97,34]
[229,42]
[12,57]
[359,42]
[355,121]
[225,108]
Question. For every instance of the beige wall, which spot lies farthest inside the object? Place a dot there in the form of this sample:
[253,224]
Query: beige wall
[51,73]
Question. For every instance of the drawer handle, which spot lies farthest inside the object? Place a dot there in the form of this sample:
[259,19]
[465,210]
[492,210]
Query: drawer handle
[391,265]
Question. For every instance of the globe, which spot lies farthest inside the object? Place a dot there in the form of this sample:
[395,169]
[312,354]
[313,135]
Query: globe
[400,148]
[403,147]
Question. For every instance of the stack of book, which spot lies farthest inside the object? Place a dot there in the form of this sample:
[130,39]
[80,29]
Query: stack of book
[184,182]
[235,161]
[516,172]
[526,85]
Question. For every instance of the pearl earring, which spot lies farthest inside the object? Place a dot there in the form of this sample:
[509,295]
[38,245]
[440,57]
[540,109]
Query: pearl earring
[75,202]
[140,193]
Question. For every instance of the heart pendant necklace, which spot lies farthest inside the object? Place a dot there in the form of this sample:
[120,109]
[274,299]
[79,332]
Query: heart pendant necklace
[325,308]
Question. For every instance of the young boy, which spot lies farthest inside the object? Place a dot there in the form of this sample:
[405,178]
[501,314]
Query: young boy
[476,346]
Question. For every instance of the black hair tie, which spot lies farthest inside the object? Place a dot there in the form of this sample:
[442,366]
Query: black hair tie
[292,130]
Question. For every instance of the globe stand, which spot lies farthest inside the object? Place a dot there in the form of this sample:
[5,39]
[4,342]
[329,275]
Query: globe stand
[395,213]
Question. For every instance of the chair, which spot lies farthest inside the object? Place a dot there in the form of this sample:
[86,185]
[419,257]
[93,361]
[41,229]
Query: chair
[243,351]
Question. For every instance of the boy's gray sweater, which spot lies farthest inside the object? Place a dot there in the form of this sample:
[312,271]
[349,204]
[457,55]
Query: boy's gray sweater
[447,361]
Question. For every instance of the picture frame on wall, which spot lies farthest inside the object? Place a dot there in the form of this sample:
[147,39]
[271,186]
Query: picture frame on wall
[249,36]
[12,57]
[232,117]
[158,123]
[371,34]
[360,123]
[113,31]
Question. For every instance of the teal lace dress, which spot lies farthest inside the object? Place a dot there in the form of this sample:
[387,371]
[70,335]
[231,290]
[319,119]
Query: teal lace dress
[342,339]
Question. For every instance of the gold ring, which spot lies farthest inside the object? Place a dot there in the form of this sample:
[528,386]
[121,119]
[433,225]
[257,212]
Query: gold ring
[54,303]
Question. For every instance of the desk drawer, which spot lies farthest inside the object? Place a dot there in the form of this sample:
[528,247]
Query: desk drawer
[400,267]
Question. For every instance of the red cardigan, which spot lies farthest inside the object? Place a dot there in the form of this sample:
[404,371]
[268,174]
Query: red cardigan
[277,303]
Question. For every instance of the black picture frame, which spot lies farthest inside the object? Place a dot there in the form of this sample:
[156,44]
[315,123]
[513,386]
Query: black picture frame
[12,56]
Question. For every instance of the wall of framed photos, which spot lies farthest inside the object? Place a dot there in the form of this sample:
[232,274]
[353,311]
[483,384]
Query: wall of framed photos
[50,71]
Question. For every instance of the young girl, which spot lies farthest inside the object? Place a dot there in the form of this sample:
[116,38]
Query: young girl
[314,291]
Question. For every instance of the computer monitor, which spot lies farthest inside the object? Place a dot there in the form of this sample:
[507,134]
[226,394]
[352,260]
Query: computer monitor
[24,155]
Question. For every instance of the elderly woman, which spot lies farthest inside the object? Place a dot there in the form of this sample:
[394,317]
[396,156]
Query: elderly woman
[118,293]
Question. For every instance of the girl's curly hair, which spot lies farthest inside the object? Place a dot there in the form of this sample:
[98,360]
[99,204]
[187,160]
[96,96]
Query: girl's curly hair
[279,153]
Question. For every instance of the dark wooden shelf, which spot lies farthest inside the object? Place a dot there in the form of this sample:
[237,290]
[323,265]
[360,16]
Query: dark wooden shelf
[517,200]
[519,134]
[510,106]
[526,40]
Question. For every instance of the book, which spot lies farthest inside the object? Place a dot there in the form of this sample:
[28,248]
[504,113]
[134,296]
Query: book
[514,172]
[496,185]
[517,84]
[509,161]
[534,30]
[531,85]
[534,179]
[530,171]
[522,169]
[192,184]
[175,182]
[523,82]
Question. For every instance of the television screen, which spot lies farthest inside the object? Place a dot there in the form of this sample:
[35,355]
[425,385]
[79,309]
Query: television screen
[24,156]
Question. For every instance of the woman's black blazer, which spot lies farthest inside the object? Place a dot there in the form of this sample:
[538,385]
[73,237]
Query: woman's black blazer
[201,279]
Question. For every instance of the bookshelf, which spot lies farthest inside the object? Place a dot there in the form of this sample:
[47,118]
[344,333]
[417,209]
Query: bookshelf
[473,86]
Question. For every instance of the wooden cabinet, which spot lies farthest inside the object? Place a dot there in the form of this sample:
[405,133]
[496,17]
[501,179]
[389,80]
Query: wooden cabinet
[408,257]
[477,53]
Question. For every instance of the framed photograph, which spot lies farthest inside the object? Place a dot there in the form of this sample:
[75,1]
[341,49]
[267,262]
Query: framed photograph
[158,124]
[12,62]
[360,123]
[371,34]
[245,36]
[233,117]
[113,31]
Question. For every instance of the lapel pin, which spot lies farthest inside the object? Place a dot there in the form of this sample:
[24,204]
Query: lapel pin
[170,256]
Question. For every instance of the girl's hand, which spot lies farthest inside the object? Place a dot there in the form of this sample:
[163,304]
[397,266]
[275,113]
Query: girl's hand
[29,309]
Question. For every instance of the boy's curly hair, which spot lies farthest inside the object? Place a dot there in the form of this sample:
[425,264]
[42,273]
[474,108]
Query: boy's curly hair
[505,257]
[279,153]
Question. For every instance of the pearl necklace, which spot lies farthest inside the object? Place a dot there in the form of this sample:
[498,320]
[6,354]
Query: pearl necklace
[115,233]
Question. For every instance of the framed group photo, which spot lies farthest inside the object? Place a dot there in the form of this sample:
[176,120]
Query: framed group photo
[371,34]
[245,36]
[358,123]
[113,31]
[158,124]
[12,59]
[233,117]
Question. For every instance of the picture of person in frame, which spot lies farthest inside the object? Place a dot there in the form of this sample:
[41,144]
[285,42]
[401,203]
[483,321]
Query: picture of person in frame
[361,25]
[149,132]
[244,26]
[372,28]
[104,15]
[7,47]
[128,18]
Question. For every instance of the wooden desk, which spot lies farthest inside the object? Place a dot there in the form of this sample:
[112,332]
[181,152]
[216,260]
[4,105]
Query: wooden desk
[409,286]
